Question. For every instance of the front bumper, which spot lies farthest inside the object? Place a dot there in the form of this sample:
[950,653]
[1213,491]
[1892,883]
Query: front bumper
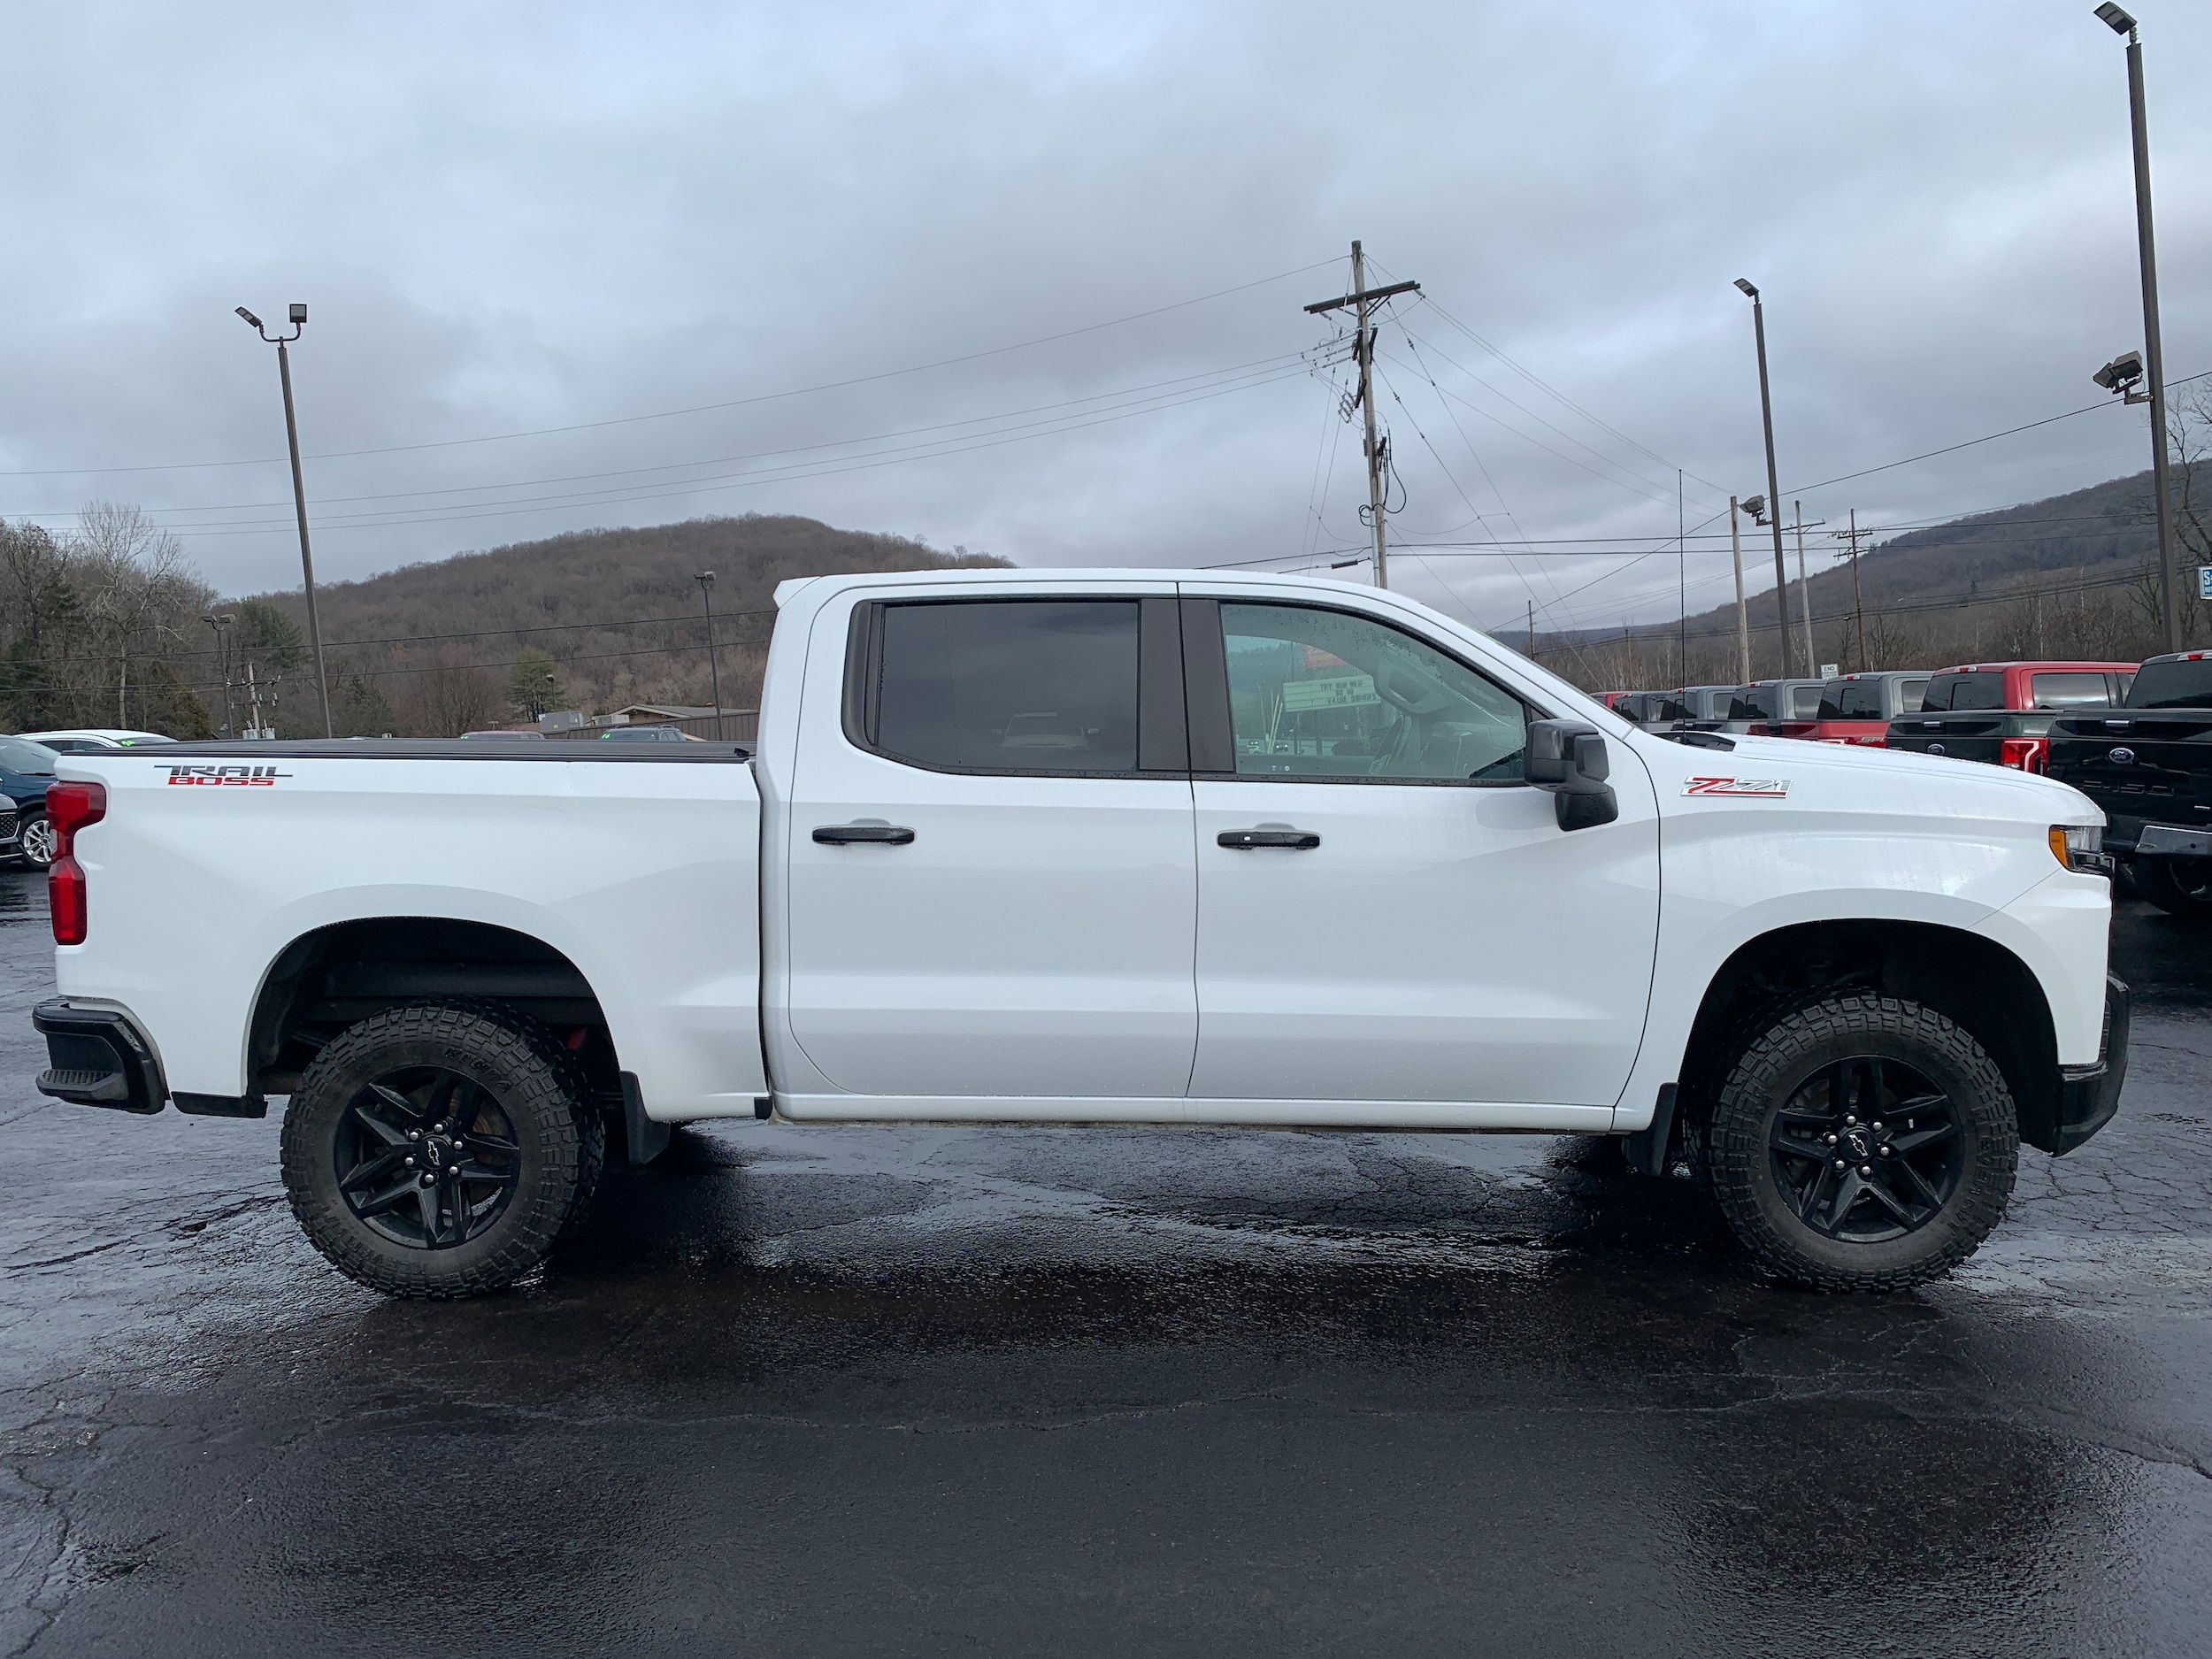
[100,1058]
[2089,1095]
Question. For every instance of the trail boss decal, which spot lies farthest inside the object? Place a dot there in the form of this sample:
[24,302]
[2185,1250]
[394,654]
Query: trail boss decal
[1752,788]
[247,777]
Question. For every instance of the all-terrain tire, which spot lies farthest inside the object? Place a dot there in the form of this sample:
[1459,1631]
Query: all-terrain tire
[558,1139]
[1791,1053]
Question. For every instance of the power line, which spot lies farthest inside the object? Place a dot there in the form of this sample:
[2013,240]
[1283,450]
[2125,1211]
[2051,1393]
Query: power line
[698,409]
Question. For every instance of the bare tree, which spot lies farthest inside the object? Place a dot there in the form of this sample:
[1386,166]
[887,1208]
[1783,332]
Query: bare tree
[141,596]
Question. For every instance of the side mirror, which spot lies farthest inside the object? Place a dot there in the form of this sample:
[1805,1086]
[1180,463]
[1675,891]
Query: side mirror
[1569,758]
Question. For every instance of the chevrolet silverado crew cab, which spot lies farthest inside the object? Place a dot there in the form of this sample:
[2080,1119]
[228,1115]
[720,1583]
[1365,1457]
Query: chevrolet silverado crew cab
[1098,847]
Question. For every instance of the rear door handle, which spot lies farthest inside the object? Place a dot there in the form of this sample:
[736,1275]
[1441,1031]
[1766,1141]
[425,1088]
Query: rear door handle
[846,834]
[1246,840]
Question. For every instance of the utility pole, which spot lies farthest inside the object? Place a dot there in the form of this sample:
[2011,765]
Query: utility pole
[2153,351]
[1682,581]
[299,492]
[1774,487]
[1858,600]
[1804,595]
[705,579]
[253,691]
[1743,617]
[220,625]
[1364,299]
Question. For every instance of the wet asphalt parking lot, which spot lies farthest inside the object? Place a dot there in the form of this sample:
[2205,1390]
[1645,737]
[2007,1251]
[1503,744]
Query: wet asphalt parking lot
[893,1391]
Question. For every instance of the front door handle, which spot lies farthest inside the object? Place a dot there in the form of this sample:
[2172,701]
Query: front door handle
[1246,840]
[846,834]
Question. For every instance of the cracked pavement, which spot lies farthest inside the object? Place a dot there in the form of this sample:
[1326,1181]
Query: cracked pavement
[889,1391]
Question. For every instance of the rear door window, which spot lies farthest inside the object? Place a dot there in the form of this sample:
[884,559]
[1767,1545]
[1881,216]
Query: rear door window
[1910,694]
[1041,686]
[1805,703]
[1978,690]
[2069,691]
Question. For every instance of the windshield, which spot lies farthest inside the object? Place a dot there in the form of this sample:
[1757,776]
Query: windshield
[2183,683]
[18,754]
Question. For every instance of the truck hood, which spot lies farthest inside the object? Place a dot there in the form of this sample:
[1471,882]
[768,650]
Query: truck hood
[1841,778]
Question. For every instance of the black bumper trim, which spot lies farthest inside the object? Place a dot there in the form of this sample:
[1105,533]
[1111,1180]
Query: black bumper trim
[100,1058]
[2088,1095]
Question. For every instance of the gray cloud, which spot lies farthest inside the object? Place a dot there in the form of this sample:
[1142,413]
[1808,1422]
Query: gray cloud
[513,217]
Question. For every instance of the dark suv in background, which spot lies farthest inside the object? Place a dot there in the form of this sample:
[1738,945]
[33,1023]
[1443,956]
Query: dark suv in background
[26,769]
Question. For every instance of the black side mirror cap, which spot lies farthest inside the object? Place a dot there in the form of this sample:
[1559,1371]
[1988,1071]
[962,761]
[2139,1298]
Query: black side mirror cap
[1569,759]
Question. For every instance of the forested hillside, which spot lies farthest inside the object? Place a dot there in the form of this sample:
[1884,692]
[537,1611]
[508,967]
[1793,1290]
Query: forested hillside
[2073,575]
[440,647]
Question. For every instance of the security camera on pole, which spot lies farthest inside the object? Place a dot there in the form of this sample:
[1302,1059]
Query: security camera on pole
[299,493]
[2112,377]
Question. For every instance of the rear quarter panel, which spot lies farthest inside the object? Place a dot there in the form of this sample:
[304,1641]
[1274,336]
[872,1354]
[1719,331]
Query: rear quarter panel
[645,876]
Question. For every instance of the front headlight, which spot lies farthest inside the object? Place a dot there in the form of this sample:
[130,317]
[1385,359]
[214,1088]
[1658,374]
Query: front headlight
[2080,847]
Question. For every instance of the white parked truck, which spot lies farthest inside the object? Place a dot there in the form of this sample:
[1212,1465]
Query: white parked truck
[1103,846]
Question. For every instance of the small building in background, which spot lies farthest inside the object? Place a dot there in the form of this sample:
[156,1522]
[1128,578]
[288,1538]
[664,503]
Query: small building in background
[737,726]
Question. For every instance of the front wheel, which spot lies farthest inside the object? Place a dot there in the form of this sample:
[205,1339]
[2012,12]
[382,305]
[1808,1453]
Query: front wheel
[1862,1142]
[38,842]
[2180,887]
[439,1149]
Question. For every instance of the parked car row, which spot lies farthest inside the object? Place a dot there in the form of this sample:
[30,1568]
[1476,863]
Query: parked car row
[1999,713]
[27,767]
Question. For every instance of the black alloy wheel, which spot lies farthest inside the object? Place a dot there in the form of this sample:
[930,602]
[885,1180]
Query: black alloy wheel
[1867,1149]
[425,1157]
[1857,1141]
[440,1148]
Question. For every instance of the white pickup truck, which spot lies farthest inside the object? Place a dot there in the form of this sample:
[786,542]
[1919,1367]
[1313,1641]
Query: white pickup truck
[1103,846]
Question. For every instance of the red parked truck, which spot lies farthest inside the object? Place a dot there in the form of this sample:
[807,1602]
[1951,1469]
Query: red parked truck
[1858,708]
[2001,712]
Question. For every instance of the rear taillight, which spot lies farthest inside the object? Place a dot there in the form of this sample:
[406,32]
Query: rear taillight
[2023,753]
[69,807]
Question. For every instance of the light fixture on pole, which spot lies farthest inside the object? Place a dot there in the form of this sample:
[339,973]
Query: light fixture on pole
[1774,487]
[298,320]
[705,579]
[2154,353]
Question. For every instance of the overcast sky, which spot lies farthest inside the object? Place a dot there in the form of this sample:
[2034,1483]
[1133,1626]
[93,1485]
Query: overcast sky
[512,217]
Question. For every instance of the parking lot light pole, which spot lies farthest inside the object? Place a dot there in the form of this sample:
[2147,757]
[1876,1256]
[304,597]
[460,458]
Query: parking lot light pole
[1774,487]
[705,579]
[299,491]
[2154,352]
[220,625]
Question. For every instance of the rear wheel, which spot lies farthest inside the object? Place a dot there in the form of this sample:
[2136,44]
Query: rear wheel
[2179,887]
[439,1149]
[1862,1142]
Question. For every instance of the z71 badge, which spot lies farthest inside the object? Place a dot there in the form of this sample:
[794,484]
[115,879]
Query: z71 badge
[248,777]
[1752,788]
